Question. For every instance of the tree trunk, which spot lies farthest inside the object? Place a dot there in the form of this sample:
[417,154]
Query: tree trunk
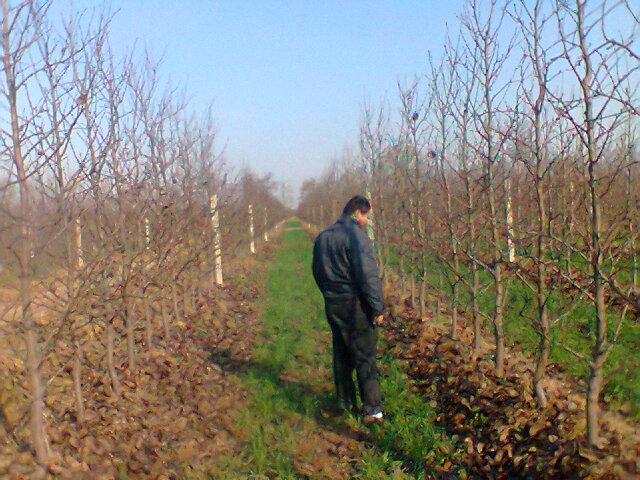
[498,330]
[569,229]
[131,341]
[631,209]
[497,321]
[541,295]
[413,291]
[186,298]
[600,350]
[77,383]
[423,296]
[593,398]
[475,308]
[600,347]
[475,274]
[543,326]
[265,233]
[165,318]
[78,244]
[634,260]
[111,366]
[147,233]
[38,431]
[252,245]
[217,240]
[471,243]
[148,320]
[438,301]
[453,332]
[176,305]
[37,421]
[508,211]
[453,327]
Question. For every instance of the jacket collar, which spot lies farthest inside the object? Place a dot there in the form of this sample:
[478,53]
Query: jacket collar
[347,220]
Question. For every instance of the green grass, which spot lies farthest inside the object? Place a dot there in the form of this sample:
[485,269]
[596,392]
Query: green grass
[410,432]
[622,371]
[290,388]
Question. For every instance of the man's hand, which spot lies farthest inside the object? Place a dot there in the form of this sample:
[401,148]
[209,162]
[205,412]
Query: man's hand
[379,320]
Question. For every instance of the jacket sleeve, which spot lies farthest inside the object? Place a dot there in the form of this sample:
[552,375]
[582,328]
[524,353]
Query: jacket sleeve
[315,264]
[365,271]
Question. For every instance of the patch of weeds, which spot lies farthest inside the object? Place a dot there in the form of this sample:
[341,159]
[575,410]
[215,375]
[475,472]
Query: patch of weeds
[380,466]
[409,433]
[479,420]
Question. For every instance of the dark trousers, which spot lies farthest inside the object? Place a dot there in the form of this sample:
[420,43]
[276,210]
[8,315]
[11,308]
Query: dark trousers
[354,347]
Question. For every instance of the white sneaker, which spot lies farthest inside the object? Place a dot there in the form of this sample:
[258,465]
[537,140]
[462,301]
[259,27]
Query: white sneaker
[377,417]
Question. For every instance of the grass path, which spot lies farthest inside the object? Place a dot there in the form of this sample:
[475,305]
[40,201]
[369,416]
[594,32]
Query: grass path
[287,430]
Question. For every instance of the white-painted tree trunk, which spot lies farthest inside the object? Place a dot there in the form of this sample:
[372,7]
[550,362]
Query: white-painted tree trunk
[511,248]
[32,253]
[370,224]
[265,235]
[78,237]
[147,232]
[217,240]
[251,230]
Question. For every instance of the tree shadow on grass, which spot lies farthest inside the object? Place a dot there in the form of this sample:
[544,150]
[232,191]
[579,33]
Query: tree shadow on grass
[407,417]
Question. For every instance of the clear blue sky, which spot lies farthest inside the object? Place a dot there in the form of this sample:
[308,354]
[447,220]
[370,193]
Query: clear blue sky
[287,78]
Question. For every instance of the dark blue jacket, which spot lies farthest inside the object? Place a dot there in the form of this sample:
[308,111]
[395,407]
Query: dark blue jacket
[345,267]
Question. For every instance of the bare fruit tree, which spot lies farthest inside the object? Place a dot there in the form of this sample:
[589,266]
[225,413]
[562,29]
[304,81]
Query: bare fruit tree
[507,184]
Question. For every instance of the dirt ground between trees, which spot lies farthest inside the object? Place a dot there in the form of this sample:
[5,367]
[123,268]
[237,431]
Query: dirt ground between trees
[173,417]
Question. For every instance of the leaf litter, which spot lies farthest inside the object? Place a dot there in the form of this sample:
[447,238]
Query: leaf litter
[504,432]
[173,416]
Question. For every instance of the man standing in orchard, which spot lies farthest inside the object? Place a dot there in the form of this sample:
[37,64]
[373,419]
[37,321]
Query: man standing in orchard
[346,271]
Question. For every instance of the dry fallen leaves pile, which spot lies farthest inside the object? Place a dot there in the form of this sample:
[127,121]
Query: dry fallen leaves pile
[497,421]
[173,415]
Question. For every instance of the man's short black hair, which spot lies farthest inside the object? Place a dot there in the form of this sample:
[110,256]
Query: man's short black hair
[357,203]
